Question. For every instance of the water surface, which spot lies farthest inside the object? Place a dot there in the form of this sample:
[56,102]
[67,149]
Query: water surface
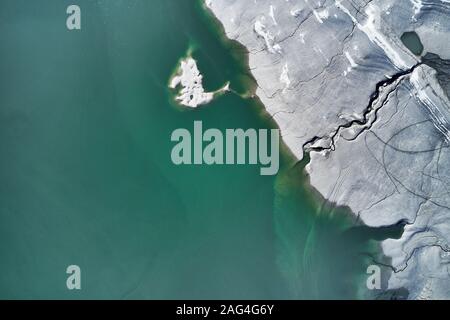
[412,41]
[86,119]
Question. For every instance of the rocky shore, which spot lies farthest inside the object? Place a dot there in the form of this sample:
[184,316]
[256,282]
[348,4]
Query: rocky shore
[374,117]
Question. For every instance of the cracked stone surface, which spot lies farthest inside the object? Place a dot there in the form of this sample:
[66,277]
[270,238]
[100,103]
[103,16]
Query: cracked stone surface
[374,117]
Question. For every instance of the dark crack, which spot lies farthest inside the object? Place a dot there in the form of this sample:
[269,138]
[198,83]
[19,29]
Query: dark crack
[365,122]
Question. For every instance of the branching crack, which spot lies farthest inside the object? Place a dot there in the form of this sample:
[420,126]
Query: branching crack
[377,101]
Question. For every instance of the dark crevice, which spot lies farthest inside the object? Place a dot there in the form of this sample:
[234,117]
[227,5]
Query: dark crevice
[309,145]
[442,68]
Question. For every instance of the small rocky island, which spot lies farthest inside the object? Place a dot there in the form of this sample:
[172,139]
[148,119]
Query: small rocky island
[192,94]
[370,106]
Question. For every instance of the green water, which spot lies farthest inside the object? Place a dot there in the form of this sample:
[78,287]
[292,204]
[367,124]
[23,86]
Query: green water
[86,176]
[412,41]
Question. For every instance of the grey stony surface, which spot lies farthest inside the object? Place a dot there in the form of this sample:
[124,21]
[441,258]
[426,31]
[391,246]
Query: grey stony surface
[373,116]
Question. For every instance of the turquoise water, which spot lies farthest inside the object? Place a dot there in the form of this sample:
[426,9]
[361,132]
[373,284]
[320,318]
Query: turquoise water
[86,119]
